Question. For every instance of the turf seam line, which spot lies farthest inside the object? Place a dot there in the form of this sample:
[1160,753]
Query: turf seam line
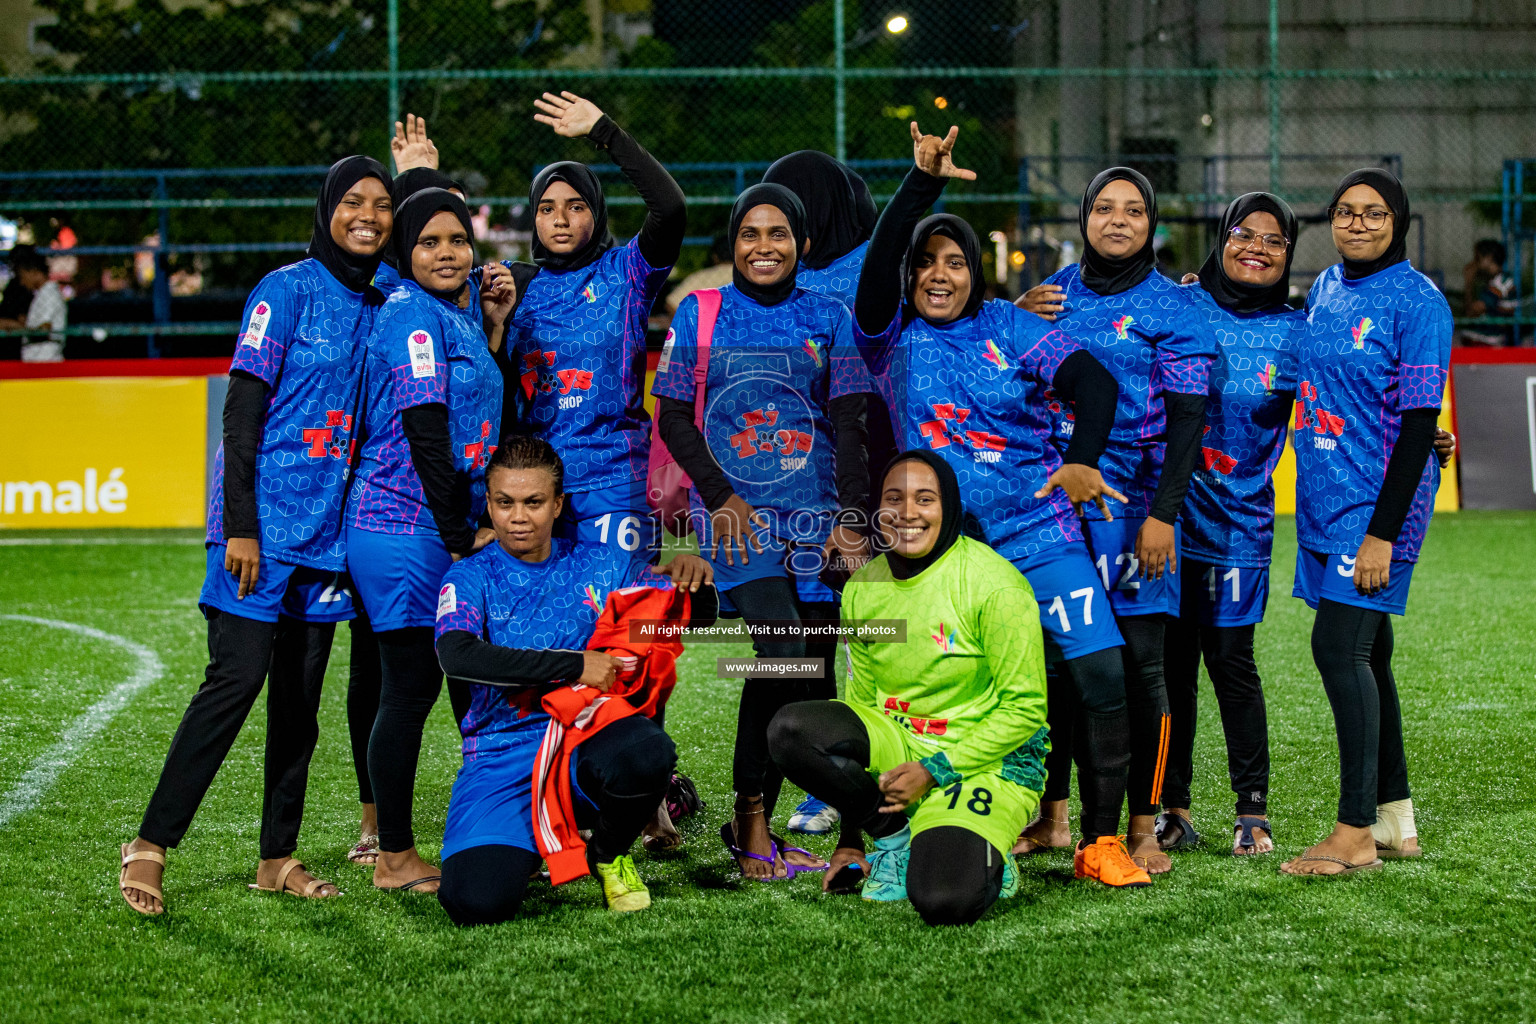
[46,769]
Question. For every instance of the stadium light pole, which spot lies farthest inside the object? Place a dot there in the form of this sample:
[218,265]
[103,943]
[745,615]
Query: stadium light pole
[394,67]
[1274,96]
[839,82]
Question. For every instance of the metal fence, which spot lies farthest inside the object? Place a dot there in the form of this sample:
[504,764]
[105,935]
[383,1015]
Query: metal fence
[197,134]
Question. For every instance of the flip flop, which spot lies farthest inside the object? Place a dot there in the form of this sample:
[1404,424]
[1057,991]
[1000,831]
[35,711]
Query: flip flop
[1389,853]
[291,865]
[728,838]
[412,884]
[795,869]
[1242,831]
[1349,869]
[367,846]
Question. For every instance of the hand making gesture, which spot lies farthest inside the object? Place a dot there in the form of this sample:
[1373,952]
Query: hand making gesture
[932,154]
[568,114]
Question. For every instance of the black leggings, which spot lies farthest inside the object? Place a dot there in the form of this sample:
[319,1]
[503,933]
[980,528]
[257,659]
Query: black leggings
[366,679]
[1086,712]
[411,682]
[289,656]
[774,600]
[624,769]
[1228,652]
[954,875]
[1353,650]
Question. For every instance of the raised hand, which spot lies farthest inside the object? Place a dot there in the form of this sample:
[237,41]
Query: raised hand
[411,147]
[932,154]
[1082,484]
[568,114]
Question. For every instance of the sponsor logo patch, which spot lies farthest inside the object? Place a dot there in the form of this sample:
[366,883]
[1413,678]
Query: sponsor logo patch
[447,600]
[256,330]
[423,362]
[666,351]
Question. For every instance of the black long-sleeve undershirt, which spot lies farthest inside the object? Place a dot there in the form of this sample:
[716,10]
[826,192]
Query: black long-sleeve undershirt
[1186,425]
[666,212]
[880,284]
[426,428]
[1405,468]
[245,410]
[1082,380]
[465,656]
[850,440]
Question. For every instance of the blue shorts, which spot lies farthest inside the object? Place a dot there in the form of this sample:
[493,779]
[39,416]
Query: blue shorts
[615,516]
[297,591]
[492,801]
[1223,595]
[1074,610]
[1321,576]
[397,576]
[1113,546]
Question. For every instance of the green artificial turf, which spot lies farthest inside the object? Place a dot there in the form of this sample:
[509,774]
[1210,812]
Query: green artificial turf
[1451,937]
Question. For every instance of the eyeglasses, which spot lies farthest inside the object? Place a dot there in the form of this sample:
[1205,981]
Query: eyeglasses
[1373,220]
[1274,245]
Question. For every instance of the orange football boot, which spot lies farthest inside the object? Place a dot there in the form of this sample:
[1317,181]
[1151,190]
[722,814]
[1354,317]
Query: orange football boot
[1107,861]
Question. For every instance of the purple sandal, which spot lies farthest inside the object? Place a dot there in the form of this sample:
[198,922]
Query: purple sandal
[727,836]
[795,869]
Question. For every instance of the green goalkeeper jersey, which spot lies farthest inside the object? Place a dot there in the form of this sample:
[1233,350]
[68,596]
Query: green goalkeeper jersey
[969,682]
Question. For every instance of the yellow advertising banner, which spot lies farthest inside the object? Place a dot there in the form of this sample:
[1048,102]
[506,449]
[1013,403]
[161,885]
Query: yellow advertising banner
[1447,499]
[103,451]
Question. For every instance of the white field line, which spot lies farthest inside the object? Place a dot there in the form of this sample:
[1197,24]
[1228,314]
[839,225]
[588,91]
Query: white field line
[39,542]
[40,777]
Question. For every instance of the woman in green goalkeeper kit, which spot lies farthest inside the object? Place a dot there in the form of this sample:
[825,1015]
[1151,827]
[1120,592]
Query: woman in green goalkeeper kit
[952,720]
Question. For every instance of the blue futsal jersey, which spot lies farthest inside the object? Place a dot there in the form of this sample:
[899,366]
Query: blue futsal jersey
[977,391]
[1374,348]
[1229,515]
[551,605]
[386,279]
[304,337]
[424,350]
[577,343]
[838,279]
[1153,339]
[773,370]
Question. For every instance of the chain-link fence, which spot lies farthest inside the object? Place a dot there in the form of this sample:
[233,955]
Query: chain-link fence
[182,142]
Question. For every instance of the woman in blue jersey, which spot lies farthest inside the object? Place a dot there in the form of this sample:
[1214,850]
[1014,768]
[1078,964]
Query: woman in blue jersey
[780,481]
[515,621]
[575,347]
[976,382]
[1228,519]
[1148,332]
[840,216]
[433,401]
[276,585]
[1373,367]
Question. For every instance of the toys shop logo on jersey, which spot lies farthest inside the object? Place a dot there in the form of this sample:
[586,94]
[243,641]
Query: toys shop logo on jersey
[769,426]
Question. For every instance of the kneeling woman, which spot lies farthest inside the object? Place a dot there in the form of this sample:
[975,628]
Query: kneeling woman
[514,620]
[956,729]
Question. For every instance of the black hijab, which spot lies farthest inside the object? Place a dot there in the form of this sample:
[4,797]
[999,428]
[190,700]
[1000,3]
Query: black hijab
[353,271]
[949,503]
[1101,274]
[1234,295]
[581,178]
[408,183]
[411,219]
[952,227]
[786,203]
[1391,191]
[825,187]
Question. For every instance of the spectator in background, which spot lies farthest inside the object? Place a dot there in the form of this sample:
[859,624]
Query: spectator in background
[1486,293]
[45,310]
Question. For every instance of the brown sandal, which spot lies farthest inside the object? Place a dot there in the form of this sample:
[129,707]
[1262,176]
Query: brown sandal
[291,865]
[123,884]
